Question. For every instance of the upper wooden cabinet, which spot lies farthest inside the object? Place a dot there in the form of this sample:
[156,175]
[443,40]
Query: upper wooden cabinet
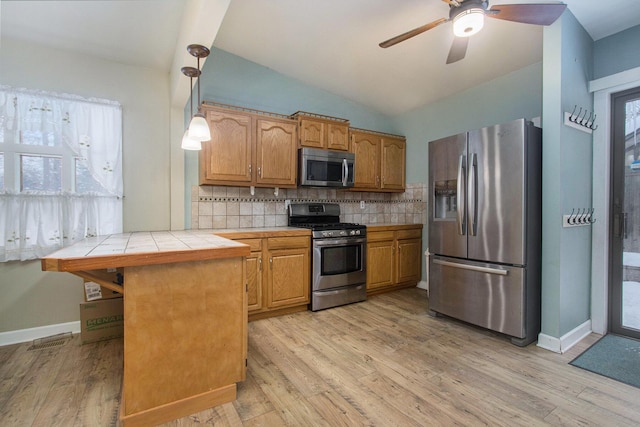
[276,153]
[380,161]
[366,147]
[393,163]
[248,148]
[324,132]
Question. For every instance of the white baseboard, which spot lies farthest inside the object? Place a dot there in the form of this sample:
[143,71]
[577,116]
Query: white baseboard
[565,342]
[24,335]
[423,284]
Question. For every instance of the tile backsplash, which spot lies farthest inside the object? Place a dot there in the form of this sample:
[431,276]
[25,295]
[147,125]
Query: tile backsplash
[236,207]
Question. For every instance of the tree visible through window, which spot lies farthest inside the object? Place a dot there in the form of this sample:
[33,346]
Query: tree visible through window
[60,171]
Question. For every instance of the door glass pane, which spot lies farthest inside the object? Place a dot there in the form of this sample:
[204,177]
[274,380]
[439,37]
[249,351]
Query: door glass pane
[631,231]
[1,171]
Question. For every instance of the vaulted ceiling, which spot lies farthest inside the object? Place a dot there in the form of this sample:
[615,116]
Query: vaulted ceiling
[330,44]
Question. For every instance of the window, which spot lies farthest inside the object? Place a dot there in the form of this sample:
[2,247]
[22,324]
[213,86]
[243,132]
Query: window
[60,171]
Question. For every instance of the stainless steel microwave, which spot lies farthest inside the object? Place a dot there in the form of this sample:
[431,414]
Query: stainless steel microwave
[326,168]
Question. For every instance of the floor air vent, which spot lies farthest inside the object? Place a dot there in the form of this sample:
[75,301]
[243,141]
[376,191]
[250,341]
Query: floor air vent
[51,341]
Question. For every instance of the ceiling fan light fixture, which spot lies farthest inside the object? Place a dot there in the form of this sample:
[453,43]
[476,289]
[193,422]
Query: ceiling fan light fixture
[468,22]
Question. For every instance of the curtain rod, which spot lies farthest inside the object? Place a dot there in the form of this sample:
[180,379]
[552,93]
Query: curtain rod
[57,95]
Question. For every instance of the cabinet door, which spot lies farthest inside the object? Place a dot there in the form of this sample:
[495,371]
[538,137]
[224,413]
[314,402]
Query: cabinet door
[227,156]
[288,273]
[276,153]
[254,281]
[312,133]
[337,136]
[409,260]
[380,264]
[393,164]
[366,147]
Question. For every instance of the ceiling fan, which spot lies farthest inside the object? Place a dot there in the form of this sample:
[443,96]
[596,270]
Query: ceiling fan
[468,19]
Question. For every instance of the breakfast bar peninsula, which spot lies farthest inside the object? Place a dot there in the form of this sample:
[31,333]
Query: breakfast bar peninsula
[185,316]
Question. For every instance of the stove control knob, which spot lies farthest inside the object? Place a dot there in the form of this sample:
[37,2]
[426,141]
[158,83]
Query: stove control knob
[352,232]
[343,232]
[357,232]
[326,234]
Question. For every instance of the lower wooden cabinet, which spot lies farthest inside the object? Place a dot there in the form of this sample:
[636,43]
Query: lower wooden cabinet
[394,257]
[278,274]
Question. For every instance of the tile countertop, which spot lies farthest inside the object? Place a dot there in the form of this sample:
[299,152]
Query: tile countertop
[390,227]
[257,233]
[142,248]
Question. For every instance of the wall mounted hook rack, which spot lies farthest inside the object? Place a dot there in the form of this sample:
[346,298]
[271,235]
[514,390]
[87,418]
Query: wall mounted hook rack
[578,217]
[581,119]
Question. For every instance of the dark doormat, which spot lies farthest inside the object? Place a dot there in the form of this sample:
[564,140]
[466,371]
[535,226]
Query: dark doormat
[613,356]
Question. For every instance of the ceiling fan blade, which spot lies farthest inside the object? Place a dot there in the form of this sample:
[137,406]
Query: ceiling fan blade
[455,3]
[412,33]
[458,49]
[534,13]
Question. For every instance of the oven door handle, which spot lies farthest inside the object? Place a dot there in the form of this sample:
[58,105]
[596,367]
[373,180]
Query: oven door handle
[338,242]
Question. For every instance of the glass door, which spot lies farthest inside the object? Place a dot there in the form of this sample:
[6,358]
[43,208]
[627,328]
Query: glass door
[624,282]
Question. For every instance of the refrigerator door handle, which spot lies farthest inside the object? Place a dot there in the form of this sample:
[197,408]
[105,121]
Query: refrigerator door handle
[461,214]
[472,267]
[473,195]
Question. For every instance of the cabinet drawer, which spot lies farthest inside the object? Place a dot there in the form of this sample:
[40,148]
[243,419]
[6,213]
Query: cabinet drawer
[287,242]
[254,244]
[378,236]
[409,234]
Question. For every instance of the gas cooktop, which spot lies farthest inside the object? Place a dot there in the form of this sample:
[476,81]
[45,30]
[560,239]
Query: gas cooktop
[323,219]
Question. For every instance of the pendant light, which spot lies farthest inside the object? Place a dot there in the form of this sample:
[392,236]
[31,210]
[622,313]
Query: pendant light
[199,128]
[189,143]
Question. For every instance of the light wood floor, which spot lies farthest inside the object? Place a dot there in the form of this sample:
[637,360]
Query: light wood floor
[383,362]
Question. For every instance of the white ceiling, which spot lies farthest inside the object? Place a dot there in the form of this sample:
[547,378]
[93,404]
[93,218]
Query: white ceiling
[331,44]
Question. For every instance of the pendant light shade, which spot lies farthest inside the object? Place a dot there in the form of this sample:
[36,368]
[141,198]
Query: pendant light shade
[189,143]
[199,128]
[468,22]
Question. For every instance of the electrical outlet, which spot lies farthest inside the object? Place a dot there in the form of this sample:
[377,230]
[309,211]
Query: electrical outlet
[361,204]
[287,202]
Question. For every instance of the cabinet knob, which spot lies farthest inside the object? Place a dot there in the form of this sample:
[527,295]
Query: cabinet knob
[260,264]
[259,171]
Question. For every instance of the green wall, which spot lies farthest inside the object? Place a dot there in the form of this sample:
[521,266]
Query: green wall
[515,95]
[567,175]
[616,53]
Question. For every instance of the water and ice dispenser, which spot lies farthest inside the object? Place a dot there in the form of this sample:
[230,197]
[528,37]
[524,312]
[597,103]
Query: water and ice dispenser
[445,199]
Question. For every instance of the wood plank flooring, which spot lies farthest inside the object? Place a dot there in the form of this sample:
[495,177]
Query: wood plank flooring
[383,362]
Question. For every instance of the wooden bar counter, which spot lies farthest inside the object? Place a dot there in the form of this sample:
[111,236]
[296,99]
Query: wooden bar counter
[185,316]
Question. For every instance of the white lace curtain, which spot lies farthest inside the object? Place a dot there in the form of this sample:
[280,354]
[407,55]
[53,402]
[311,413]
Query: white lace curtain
[34,224]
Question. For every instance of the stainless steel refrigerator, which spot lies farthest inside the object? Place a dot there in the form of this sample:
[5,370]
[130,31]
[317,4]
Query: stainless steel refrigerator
[485,228]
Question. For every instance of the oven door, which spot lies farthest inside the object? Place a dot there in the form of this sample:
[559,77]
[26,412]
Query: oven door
[339,262]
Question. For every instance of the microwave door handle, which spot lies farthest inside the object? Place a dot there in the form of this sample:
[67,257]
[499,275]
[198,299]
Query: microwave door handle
[345,172]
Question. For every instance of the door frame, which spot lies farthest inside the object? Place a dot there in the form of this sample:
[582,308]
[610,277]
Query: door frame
[602,90]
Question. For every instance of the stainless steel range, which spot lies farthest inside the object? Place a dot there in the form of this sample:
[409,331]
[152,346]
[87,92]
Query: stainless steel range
[339,258]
